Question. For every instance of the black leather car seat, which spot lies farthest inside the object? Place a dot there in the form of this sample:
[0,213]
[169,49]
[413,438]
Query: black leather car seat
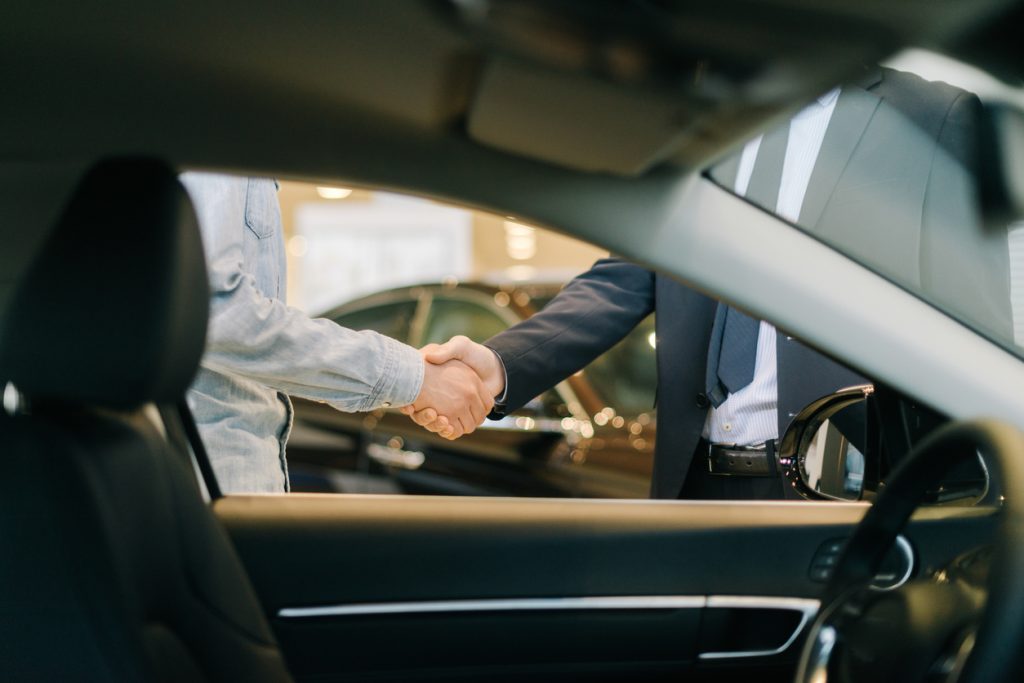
[112,567]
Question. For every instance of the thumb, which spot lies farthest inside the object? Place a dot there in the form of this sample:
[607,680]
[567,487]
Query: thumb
[429,348]
[435,354]
[442,353]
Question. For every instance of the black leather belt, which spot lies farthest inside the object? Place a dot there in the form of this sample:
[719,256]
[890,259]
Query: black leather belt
[742,461]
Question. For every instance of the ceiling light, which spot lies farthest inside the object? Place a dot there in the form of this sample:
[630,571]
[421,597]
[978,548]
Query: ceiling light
[520,241]
[326,192]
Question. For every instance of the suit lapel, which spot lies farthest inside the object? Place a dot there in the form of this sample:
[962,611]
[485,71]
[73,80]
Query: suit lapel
[852,114]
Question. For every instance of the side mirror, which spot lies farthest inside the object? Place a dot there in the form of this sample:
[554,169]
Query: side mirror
[823,451]
[842,447]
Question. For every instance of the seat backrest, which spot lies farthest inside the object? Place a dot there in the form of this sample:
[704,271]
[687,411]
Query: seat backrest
[112,567]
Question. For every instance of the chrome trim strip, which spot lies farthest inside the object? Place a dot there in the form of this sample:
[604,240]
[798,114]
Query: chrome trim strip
[501,605]
[988,477]
[807,607]
[821,653]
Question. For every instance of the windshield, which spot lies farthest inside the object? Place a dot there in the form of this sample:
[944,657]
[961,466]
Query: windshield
[889,169]
[625,376]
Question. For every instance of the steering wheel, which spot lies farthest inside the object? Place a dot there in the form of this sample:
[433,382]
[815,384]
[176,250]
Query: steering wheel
[963,625]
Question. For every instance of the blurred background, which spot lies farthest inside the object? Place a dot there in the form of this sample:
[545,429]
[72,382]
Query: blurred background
[344,243]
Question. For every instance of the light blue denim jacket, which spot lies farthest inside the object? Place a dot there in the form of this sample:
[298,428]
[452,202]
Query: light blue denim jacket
[258,350]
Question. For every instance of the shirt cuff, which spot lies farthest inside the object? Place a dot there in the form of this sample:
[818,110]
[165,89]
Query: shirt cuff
[402,378]
[500,402]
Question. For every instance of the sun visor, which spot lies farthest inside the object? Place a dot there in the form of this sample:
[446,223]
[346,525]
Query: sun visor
[572,119]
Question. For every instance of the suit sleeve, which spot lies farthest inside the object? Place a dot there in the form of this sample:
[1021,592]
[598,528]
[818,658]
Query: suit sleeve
[964,261]
[590,315]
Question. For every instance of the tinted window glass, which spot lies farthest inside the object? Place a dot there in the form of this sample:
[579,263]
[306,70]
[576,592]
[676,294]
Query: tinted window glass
[626,375]
[393,320]
[450,317]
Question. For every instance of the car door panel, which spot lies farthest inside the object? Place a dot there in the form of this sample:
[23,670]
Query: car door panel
[421,588]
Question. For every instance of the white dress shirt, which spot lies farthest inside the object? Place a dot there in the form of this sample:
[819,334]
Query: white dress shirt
[750,416]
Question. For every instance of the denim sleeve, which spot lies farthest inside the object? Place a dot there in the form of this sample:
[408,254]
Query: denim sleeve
[261,338]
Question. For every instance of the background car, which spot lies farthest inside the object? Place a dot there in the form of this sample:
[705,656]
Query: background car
[591,436]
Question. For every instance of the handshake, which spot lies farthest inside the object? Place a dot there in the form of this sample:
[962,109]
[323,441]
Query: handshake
[460,382]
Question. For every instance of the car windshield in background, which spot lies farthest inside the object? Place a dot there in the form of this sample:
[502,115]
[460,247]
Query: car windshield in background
[895,185]
[626,374]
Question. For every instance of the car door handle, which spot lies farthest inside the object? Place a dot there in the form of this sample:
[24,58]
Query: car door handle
[396,457]
[520,423]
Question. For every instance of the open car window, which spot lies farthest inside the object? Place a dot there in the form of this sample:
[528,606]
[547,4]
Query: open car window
[591,435]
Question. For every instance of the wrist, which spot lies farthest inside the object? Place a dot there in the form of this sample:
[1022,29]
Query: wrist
[496,378]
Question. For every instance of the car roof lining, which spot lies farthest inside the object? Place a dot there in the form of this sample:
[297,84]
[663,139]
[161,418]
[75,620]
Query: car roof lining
[241,85]
[32,196]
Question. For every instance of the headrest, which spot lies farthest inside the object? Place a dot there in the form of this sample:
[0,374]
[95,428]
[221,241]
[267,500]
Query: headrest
[113,310]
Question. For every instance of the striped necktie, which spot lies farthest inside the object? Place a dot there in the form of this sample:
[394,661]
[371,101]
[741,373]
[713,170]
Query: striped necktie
[732,349]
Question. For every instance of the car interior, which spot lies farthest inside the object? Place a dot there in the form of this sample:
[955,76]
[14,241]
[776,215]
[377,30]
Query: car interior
[121,561]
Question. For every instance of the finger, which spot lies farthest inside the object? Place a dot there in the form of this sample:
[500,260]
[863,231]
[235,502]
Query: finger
[478,410]
[474,413]
[424,417]
[462,428]
[439,426]
[429,348]
[436,427]
[488,402]
[454,431]
[407,410]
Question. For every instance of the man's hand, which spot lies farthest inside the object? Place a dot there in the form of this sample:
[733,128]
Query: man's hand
[484,363]
[456,395]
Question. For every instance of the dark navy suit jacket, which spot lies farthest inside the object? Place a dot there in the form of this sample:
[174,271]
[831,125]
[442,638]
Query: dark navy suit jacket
[894,136]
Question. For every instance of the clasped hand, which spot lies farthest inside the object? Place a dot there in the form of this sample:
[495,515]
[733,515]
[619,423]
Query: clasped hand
[460,381]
